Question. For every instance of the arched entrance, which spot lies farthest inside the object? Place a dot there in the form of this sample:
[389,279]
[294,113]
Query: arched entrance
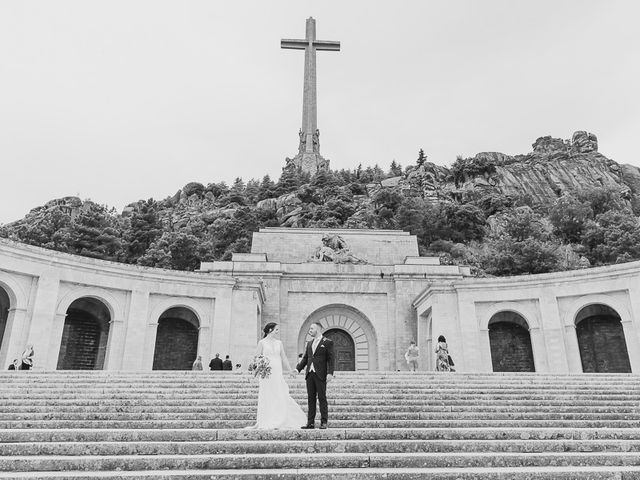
[348,326]
[601,341]
[344,349]
[85,335]
[4,313]
[510,342]
[176,340]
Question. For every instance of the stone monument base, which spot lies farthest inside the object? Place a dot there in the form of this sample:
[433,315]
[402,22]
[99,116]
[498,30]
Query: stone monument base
[310,162]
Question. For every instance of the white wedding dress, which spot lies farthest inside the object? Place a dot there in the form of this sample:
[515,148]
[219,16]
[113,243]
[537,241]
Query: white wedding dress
[276,408]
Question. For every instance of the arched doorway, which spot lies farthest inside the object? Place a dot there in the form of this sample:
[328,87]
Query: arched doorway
[344,349]
[352,323]
[601,341]
[176,340]
[510,342]
[85,335]
[4,312]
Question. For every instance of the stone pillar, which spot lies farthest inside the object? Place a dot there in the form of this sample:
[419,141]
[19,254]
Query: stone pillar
[204,344]
[244,326]
[14,338]
[486,364]
[41,334]
[557,348]
[221,331]
[424,341]
[115,345]
[149,347]
[475,350]
[55,343]
[134,353]
[574,362]
[444,321]
[539,348]
[633,345]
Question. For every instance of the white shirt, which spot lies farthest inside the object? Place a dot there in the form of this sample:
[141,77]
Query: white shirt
[314,345]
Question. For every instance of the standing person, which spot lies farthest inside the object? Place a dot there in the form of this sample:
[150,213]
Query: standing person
[412,355]
[442,352]
[276,408]
[227,365]
[216,363]
[318,360]
[197,364]
[27,358]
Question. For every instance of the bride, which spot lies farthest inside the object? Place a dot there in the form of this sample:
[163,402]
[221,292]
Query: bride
[276,408]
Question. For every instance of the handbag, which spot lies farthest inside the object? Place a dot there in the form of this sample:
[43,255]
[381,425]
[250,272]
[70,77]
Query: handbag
[451,364]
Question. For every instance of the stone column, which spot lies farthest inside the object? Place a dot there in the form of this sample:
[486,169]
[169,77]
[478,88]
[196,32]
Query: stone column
[243,326]
[134,353]
[444,315]
[221,331]
[539,348]
[475,351]
[42,321]
[14,339]
[633,345]
[424,341]
[558,349]
[574,362]
[486,364]
[146,362]
[115,345]
[55,343]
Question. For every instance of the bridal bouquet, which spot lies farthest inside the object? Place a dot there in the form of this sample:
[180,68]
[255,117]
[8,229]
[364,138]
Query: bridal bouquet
[260,367]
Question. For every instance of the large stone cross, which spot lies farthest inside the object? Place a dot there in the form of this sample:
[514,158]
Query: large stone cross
[309,134]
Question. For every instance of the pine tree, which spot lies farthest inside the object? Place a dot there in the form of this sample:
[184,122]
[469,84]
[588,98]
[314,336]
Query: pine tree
[421,158]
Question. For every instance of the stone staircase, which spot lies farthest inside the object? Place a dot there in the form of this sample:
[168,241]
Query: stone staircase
[188,425]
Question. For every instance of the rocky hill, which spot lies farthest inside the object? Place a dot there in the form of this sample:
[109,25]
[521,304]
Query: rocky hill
[477,193]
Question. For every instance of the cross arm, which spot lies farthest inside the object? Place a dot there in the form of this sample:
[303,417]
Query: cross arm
[327,45]
[294,44]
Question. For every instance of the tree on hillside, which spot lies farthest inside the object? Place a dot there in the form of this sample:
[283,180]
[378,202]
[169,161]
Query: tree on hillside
[94,233]
[144,227]
[267,188]
[421,158]
[173,250]
[395,169]
[569,217]
[613,237]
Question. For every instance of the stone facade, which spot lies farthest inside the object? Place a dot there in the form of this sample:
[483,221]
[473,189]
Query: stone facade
[394,297]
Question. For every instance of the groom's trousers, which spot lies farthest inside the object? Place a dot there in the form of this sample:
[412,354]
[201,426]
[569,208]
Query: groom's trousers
[317,387]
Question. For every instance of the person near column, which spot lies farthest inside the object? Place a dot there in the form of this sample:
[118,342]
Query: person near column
[197,364]
[227,365]
[318,361]
[412,355]
[442,353]
[216,363]
[27,358]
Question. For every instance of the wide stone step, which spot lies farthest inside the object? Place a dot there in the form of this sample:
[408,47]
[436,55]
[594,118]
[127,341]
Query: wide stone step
[489,473]
[213,408]
[336,415]
[201,434]
[316,460]
[252,401]
[347,423]
[228,447]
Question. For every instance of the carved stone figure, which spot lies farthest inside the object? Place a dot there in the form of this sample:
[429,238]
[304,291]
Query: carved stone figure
[316,141]
[334,249]
[303,141]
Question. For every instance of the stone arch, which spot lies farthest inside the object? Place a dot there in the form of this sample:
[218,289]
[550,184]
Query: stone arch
[525,311]
[85,334]
[601,340]
[510,342]
[13,308]
[177,336]
[354,323]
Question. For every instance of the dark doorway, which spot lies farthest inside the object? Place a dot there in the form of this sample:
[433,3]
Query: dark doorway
[601,341]
[344,349]
[510,343]
[85,336]
[4,313]
[176,340]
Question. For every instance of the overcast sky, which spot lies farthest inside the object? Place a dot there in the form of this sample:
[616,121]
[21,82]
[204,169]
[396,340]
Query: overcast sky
[122,100]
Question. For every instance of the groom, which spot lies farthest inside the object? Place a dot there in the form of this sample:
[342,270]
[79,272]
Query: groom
[319,362]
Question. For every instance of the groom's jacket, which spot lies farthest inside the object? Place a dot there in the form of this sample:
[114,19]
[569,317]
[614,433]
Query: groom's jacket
[323,360]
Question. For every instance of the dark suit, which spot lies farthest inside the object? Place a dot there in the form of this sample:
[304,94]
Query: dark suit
[215,364]
[227,365]
[323,364]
